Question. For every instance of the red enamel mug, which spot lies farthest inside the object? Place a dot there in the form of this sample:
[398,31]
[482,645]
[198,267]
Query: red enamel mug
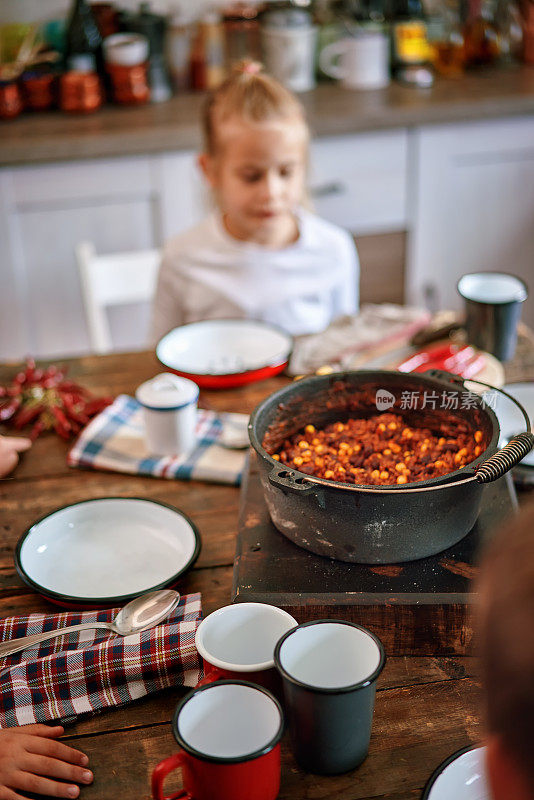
[229,733]
[237,642]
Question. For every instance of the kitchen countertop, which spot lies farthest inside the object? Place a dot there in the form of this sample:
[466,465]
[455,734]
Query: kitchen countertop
[332,110]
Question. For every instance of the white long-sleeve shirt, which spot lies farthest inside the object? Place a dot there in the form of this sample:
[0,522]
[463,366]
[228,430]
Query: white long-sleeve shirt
[207,274]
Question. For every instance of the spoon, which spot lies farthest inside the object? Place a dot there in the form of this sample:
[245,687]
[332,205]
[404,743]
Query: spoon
[139,614]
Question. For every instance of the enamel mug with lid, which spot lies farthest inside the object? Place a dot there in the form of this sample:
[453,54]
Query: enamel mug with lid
[170,413]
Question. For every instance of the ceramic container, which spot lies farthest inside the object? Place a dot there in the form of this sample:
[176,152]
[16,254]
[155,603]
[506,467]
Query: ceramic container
[229,737]
[238,642]
[359,62]
[329,670]
[289,55]
[493,308]
[126,49]
[170,412]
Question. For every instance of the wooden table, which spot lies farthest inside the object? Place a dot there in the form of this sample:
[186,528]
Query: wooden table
[426,707]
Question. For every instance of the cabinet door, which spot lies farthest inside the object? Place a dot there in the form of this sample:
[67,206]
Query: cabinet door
[359,181]
[473,208]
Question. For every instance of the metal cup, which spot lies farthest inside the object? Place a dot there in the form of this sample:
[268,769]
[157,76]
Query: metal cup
[329,670]
[493,308]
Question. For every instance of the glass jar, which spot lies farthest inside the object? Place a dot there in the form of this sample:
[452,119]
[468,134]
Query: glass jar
[10,99]
[446,40]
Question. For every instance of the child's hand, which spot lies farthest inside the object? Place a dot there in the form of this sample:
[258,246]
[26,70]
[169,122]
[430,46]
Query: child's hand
[29,753]
[10,447]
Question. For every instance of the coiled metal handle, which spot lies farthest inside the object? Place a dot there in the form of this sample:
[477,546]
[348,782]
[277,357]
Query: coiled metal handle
[512,453]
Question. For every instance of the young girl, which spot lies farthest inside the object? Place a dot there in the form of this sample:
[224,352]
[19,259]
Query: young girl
[260,255]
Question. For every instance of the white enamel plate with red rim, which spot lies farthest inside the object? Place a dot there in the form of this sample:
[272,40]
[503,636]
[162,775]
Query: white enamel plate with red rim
[106,550]
[222,353]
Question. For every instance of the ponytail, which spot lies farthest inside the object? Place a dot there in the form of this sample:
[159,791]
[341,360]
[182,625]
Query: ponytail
[251,94]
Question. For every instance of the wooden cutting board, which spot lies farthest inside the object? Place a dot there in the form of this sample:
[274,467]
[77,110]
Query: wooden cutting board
[416,608]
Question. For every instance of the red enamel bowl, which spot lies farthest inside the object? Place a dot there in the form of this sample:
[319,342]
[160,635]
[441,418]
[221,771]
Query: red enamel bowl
[223,353]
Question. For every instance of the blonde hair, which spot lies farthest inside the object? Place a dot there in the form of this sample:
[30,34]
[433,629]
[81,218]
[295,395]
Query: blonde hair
[252,95]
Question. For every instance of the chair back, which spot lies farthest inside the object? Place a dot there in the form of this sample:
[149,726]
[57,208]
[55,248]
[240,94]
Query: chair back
[113,280]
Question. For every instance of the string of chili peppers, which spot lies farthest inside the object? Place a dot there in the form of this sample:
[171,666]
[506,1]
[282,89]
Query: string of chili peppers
[46,400]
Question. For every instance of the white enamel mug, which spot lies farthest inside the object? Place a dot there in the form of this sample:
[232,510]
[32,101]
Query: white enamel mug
[170,414]
[362,60]
[238,642]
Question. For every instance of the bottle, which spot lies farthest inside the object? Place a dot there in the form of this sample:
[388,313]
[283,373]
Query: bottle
[83,42]
[528,31]
[510,27]
[481,37]
[179,39]
[197,64]
[154,27]
[410,52]
[212,34]
[446,41]
[242,30]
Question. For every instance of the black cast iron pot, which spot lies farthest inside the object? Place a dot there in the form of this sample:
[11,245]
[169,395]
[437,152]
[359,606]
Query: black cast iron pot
[377,524]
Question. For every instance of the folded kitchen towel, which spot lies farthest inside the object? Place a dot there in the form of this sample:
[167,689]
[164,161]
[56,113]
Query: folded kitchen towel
[92,670]
[115,440]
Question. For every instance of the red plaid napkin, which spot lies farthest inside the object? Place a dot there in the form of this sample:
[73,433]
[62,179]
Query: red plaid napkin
[92,670]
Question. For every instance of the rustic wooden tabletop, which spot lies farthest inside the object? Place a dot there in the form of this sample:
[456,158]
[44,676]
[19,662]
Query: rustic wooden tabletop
[426,707]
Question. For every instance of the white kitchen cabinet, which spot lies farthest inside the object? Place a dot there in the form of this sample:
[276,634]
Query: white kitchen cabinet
[46,211]
[464,193]
[360,181]
[472,207]
[13,330]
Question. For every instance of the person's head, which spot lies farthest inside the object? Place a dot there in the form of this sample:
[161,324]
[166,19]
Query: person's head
[255,152]
[506,640]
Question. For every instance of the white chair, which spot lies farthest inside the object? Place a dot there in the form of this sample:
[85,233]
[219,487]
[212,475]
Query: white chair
[113,280]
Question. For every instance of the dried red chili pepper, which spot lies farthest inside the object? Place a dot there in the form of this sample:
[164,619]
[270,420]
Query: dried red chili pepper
[8,410]
[45,398]
[97,405]
[27,415]
[36,430]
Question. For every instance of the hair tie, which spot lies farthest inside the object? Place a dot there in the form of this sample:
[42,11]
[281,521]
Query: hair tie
[251,67]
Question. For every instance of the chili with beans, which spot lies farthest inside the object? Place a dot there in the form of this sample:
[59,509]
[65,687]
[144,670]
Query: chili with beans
[381,450]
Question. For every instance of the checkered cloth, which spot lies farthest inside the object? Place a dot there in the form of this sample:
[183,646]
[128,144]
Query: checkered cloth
[93,670]
[114,440]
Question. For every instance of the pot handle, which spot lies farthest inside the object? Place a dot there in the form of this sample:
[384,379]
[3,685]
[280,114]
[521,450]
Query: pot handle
[288,481]
[513,452]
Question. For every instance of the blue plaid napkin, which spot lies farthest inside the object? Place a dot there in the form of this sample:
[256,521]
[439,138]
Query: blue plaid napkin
[114,440]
